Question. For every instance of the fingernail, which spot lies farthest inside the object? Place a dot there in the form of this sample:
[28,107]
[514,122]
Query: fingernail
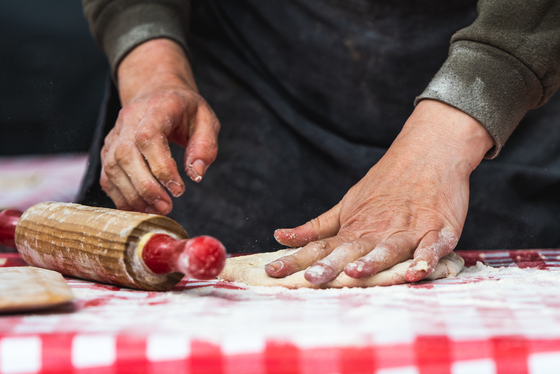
[275,266]
[199,167]
[278,232]
[175,188]
[417,271]
[318,274]
[410,276]
[357,267]
[162,206]
[287,233]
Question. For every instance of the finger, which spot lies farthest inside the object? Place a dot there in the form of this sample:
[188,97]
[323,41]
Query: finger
[114,180]
[202,148]
[151,139]
[136,182]
[106,146]
[432,247]
[120,181]
[303,258]
[324,226]
[106,185]
[394,250]
[108,143]
[113,192]
[329,267]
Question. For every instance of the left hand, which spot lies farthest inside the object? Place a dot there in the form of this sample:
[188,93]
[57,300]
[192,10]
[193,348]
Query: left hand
[161,104]
[411,204]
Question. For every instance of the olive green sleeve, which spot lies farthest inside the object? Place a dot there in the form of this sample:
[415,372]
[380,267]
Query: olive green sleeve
[504,64]
[120,25]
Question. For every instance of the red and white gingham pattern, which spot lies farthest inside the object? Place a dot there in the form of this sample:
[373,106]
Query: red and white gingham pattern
[25,181]
[507,321]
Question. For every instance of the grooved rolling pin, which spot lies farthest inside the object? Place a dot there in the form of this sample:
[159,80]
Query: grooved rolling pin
[136,250]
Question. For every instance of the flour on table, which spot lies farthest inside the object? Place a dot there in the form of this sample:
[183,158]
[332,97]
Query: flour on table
[249,270]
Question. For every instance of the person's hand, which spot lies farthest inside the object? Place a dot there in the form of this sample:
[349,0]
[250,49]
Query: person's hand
[411,204]
[161,104]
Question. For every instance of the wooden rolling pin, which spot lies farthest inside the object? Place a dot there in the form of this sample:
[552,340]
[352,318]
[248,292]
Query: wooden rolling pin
[136,250]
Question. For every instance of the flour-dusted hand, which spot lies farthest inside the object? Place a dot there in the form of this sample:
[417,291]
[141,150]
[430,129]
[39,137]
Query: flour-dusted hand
[411,204]
[161,104]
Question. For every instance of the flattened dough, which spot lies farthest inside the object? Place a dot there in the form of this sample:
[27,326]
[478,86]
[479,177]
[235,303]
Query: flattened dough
[250,270]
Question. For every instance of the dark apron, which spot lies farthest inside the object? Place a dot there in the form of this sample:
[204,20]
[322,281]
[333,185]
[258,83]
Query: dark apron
[310,95]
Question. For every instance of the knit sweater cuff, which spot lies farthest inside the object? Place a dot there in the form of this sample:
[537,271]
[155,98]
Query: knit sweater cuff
[488,84]
[137,24]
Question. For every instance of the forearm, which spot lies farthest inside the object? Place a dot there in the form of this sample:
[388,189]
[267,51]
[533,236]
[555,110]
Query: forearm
[446,135]
[153,64]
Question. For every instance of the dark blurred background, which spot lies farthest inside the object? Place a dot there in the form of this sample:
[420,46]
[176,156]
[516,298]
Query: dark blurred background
[52,77]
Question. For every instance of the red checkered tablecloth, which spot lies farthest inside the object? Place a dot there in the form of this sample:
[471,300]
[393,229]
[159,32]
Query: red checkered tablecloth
[28,180]
[487,320]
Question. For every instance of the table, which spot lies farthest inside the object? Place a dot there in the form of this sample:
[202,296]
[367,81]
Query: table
[504,319]
[28,180]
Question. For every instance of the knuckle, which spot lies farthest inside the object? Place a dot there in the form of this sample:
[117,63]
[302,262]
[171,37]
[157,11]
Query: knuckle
[144,135]
[164,172]
[126,112]
[356,246]
[110,167]
[315,223]
[123,151]
[388,247]
[146,189]
[173,102]
[395,249]
[319,247]
[105,184]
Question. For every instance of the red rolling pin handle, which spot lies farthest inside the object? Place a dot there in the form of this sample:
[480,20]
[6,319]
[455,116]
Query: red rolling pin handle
[202,257]
[8,222]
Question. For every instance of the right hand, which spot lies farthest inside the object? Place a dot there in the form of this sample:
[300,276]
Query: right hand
[161,104]
[412,204]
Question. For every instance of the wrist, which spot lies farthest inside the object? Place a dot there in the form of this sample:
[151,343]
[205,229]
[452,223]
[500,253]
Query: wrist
[153,65]
[439,130]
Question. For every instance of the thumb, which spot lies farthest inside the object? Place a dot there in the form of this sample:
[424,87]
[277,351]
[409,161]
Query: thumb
[324,226]
[202,147]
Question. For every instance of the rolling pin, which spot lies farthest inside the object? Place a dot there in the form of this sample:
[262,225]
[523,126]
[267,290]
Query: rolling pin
[135,250]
